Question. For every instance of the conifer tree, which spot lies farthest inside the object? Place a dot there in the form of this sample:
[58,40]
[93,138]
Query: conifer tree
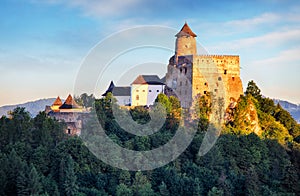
[70,186]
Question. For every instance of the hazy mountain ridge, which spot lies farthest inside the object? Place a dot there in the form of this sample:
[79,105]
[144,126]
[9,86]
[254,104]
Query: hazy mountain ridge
[292,108]
[33,107]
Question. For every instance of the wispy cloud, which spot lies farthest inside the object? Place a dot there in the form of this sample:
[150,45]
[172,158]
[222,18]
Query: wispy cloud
[251,22]
[282,59]
[270,39]
[97,8]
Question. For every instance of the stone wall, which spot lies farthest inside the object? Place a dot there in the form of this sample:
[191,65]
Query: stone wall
[185,45]
[195,75]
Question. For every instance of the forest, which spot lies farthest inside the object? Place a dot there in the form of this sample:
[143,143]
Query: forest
[38,158]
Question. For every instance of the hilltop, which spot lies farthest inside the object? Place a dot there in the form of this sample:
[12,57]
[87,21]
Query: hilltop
[292,108]
[33,107]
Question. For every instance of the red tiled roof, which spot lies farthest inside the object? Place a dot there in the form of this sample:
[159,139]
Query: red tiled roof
[57,101]
[186,30]
[69,103]
[147,79]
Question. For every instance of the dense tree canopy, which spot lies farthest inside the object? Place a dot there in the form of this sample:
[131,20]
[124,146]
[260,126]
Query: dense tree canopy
[37,158]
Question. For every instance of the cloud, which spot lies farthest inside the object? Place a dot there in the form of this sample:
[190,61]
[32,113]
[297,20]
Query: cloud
[251,22]
[271,39]
[102,8]
[282,59]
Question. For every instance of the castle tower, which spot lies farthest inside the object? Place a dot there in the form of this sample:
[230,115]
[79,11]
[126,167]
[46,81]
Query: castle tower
[191,75]
[185,42]
[56,104]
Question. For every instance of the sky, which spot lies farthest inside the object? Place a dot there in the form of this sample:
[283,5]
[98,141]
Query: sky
[45,43]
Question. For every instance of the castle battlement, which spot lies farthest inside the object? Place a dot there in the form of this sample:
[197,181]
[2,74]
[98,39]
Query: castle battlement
[188,71]
[218,55]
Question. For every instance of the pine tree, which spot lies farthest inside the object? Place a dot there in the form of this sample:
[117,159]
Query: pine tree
[70,186]
[252,89]
[163,189]
[123,190]
[34,181]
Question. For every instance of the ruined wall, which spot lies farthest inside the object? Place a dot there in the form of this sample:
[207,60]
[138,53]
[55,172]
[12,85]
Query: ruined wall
[217,72]
[72,119]
[196,75]
[179,79]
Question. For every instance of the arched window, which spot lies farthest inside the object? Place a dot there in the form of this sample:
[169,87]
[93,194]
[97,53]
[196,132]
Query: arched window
[137,97]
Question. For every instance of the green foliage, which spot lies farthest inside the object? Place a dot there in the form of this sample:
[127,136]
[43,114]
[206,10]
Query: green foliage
[85,100]
[163,189]
[123,190]
[37,158]
[275,122]
[253,90]
[203,106]
[69,182]
[140,114]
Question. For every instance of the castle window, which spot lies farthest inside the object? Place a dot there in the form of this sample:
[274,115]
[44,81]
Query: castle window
[225,71]
[137,90]
[150,91]
[157,90]
[185,70]
[216,90]
[233,78]
[180,70]
[137,97]
[186,83]
[205,84]
[143,90]
[204,92]
[197,87]
[219,78]
[69,131]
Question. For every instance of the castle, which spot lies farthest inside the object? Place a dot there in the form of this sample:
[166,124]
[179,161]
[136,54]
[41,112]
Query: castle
[69,112]
[188,76]
[191,75]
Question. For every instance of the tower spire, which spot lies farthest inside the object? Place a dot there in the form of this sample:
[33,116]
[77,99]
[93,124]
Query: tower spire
[185,42]
[186,31]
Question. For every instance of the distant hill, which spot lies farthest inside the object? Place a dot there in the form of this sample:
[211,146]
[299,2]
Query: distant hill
[292,108]
[33,107]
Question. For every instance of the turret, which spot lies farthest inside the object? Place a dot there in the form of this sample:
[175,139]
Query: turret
[185,42]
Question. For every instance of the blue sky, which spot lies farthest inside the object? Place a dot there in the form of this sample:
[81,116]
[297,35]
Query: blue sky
[43,43]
